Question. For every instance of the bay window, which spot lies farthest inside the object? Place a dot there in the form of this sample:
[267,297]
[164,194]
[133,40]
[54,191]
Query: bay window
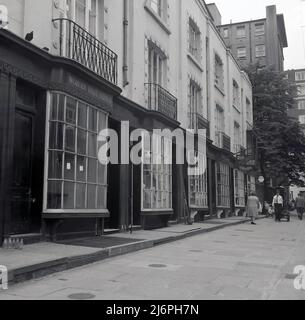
[156,173]
[74,179]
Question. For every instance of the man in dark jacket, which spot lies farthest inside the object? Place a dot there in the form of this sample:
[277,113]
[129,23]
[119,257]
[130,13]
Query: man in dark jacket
[300,205]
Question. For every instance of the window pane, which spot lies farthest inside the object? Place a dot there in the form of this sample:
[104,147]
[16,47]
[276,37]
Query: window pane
[80,196]
[68,195]
[92,168]
[102,124]
[70,138]
[80,12]
[81,142]
[93,18]
[82,116]
[54,107]
[55,165]
[57,107]
[102,170]
[71,111]
[91,194]
[56,136]
[92,145]
[81,169]
[54,195]
[147,180]
[102,197]
[92,119]
[147,199]
[69,166]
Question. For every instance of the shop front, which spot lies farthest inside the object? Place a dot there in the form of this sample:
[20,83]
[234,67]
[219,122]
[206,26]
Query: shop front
[51,112]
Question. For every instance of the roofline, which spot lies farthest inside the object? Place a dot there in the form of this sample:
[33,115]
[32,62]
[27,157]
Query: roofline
[243,22]
[228,50]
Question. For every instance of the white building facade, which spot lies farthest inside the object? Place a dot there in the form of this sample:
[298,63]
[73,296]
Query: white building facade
[161,64]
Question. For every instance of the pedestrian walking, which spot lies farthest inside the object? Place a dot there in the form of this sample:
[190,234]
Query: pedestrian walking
[253,206]
[278,205]
[300,205]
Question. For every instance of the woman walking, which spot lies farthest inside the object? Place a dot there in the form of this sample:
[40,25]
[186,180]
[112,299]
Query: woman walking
[253,207]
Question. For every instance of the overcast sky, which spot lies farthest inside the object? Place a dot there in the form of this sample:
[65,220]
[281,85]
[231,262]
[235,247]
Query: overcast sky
[294,14]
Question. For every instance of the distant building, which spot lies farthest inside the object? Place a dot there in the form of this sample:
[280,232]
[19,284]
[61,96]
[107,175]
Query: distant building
[261,40]
[298,111]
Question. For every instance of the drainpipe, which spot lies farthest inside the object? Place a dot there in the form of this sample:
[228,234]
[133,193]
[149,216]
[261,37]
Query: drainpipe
[125,44]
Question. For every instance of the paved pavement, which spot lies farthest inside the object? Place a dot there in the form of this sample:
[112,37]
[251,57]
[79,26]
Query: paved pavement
[41,259]
[238,262]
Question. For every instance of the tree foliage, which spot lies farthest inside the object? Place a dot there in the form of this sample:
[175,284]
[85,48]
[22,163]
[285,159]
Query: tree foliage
[281,140]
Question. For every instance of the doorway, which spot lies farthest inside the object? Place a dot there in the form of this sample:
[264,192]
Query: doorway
[27,160]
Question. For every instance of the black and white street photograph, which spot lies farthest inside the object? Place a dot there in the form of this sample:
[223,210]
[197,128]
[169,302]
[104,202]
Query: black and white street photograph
[152,153]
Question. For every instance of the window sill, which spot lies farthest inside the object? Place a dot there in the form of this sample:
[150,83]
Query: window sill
[156,212]
[219,89]
[159,20]
[195,61]
[199,207]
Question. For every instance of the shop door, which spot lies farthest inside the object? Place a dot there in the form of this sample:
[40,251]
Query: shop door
[22,177]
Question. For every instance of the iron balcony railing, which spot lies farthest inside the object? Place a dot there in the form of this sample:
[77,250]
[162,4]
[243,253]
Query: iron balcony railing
[222,141]
[161,100]
[79,45]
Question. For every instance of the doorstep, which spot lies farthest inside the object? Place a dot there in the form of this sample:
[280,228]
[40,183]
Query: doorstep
[41,259]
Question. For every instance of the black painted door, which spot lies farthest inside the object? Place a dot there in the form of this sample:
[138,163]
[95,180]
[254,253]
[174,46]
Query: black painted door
[22,177]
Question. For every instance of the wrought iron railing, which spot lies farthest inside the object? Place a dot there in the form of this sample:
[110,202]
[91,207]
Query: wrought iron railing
[78,44]
[226,142]
[222,141]
[161,100]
